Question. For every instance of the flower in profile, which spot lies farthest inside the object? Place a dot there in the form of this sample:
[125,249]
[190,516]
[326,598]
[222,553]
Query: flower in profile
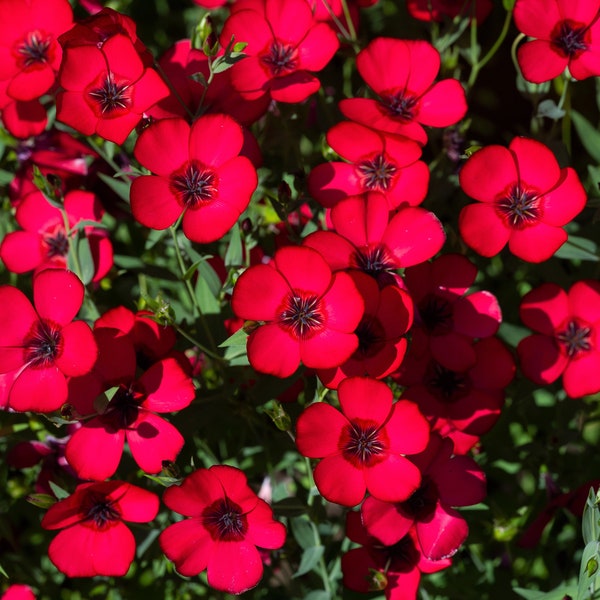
[41,344]
[43,242]
[210,184]
[566,35]
[566,339]
[286,44]
[363,447]
[524,199]
[402,73]
[309,314]
[93,539]
[226,522]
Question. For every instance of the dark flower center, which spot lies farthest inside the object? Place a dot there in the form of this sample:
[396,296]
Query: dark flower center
[363,444]
[375,261]
[575,339]
[302,315]
[225,521]
[124,407]
[281,58]
[195,185]
[520,207]
[436,314]
[43,345]
[569,38]
[101,511]
[400,106]
[111,96]
[377,173]
[450,385]
[371,337]
[423,501]
[34,49]
[57,244]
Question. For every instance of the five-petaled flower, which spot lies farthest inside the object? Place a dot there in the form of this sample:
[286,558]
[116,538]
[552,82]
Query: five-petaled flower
[226,522]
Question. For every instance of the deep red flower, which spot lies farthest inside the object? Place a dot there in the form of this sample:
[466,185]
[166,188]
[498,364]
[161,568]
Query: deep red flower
[18,591]
[29,51]
[448,319]
[402,73]
[375,566]
[43,242]
[362,447]
[43,345]
[381,342]
[95,449]
[447,481]
[94,539]
[286,44]
[524,199]
[436,10]
[368,239]
[211,184]
[22,119]
[377,163]
[461,399]
[106,89]
[567,336]
[567,35]
[227,521]
[310,314]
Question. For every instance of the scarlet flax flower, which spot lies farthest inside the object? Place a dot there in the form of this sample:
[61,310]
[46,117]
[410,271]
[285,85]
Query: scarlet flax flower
[93,539]
[226,522]
[524,199]
[362,447]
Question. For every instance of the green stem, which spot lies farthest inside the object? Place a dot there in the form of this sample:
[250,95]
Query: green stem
[565,101]
[173,89]
[100,150]
[349,22]
[196,343]
[492,51]
[190,289]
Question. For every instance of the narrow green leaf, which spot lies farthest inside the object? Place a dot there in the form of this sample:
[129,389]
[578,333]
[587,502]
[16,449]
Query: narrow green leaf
[589,521]
[303,530]
[86,260]
[578,248]
[588,134]
[309,560]
[237,339]
[590,554]
[58,491]
[88,223]
[208,303]
[118,186]
[233,255]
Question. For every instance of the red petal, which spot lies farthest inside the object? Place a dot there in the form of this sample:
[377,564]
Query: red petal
[167,387]
[263,530]
[317,47]
[537,18]
[489,173]
[482,229]
[565,201]
[442,535]
[477,315]
[366,399]
[234,567]
[272,350]
[361,219]
[295,87]
[122,57]
[21,251]
[94,452]
[80,66]
[148,90]
[584,300]
[355,142]
[385,520]
[163,147]
[331,182]
[328,349]
[337,252]
[537,243]
[318,430]
[540,359]
[226,140]
[407,428]
[153,203]
[259,293]
[290,30]
[304,269]
[57,295]
[15,325]
[136,504]
[581,375]
[79,350]
[545,308]
[339,481]
[197,491]
[444,104]
[188,544]
[30,390]
[540,62]
[393,480]
[537,165]
[460,481]
[72,110]
[343,305]
[411,186]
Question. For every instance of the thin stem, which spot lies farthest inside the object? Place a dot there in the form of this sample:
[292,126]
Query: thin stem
[196,343]
[100,150]
[349,22]
[565,101]
[173,89]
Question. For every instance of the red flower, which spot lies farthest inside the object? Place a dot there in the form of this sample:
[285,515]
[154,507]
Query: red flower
[310,313]
[42,345]
[368,239]
[436,10]
[209,183]
[377,163]
[22,119]
[524,199]
[567,338]
[447,481]
[18,591]
[94,540]
[42,242]
[106,89]
[362,448]
[95,449]
[285,46]
[375,566]
[227,521]
[29,51]
[402,73]
[381,342]
[567,35]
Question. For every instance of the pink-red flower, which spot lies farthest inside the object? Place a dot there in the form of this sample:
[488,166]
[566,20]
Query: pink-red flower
[41,344]
[402,73]
[524,199]
[43,241]
[226,522]
[310,314]
[377,162]
[94,539]
[210,183]
[286,44]
[566,35]
[18,591]
[106,88]
[436,10]
[363,447]
[567,336]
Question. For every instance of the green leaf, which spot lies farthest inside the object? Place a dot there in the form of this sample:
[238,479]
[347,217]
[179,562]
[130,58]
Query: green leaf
[588,134]
[233,255]
[44,501]
[58,491]
[304,532]
[52,193]
[88,223]
[589,522]
[86,260]
[586,575]
[6,177]
[556,594]
[208,303]
[309,560]
[578,248]
[118,186]
[237,339]
[508,4]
